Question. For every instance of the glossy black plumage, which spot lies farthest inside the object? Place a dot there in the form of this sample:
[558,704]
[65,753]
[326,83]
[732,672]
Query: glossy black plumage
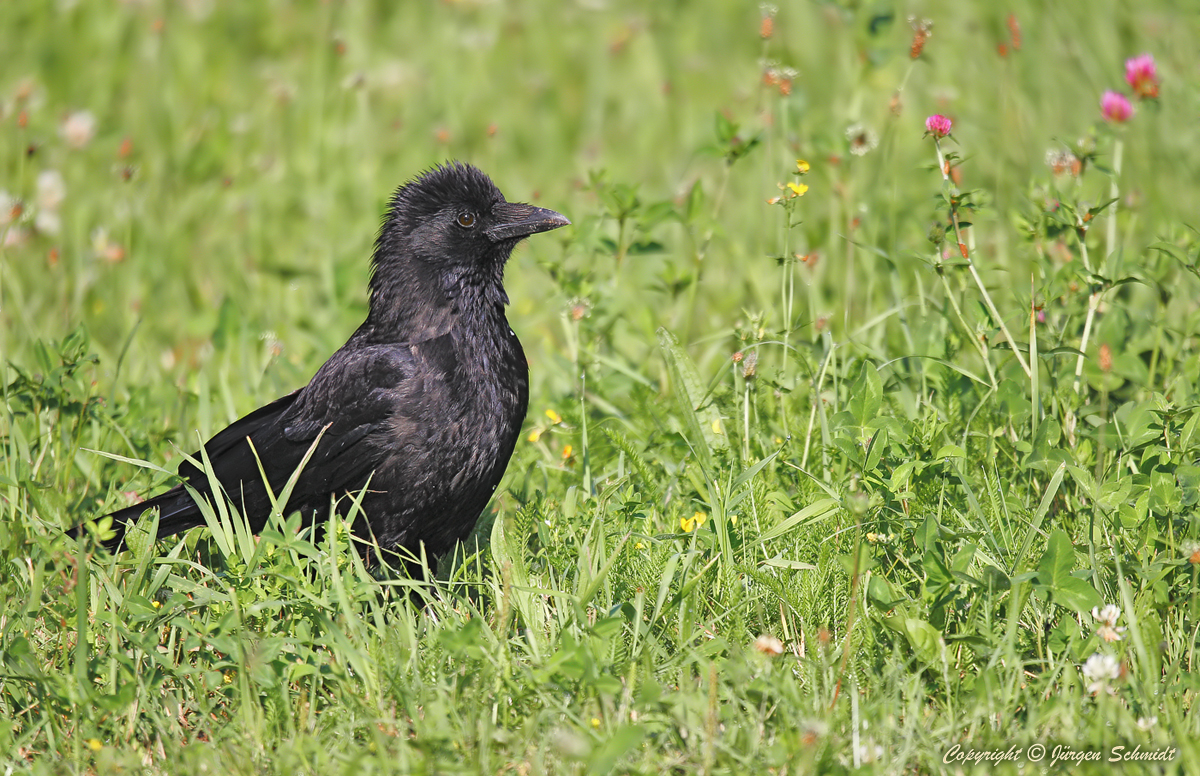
[425,399]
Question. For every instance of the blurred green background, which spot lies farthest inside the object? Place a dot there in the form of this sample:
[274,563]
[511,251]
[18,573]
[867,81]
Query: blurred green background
[242,153]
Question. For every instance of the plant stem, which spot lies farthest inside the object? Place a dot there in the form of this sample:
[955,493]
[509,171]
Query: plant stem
[962,247]
[970,334]
[702,251]
[1113,193]
[1110,242]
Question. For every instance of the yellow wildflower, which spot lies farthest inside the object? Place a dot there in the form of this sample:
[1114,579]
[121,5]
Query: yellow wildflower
[689,524]
[801,166]
[554,416]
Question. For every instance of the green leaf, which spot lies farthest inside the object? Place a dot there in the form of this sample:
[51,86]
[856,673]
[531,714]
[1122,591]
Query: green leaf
[950,451]
[695,201]
[880,593]
[699,414]
[463,641]
[140,536]
[866,395]
[780,562]
[1039,516]
[1076,594]
[508,548]
[133,461]
[726,130]
[875,450]
[938,579]
[623,740]
[925,640]
[1059,559]
[821,509]
[1054,575]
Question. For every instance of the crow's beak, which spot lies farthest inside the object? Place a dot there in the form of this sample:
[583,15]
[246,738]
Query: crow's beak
[515,220]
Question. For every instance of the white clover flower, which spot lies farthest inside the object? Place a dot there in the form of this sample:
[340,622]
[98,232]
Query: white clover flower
[868,752]
[1107,617]
[1099,670]
[51,190]
[769,645]
[78,128]
[47,222]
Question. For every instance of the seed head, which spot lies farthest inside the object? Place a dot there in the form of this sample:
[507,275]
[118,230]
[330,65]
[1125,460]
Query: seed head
[922,29]
[767,27]
[1063,162]
[862,139]
[749,364]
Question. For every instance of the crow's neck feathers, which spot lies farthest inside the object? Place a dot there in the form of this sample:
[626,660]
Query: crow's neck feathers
[427,272]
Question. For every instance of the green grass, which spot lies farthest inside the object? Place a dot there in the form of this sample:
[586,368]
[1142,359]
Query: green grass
[724,442]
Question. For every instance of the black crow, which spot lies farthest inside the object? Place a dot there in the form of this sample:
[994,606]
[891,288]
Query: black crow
[421,406]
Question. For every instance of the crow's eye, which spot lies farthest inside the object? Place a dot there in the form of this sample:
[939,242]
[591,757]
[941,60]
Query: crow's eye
[466,219]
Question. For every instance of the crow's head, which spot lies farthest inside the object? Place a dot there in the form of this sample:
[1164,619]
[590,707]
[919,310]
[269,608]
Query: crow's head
[452,223]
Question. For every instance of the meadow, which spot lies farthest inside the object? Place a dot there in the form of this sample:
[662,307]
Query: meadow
[853,445]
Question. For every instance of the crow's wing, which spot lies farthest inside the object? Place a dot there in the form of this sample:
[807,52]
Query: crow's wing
[356,398]
[237,431]
[352,398]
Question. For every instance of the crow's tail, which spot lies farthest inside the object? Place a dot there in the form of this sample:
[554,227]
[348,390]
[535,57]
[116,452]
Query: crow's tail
[177,512]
